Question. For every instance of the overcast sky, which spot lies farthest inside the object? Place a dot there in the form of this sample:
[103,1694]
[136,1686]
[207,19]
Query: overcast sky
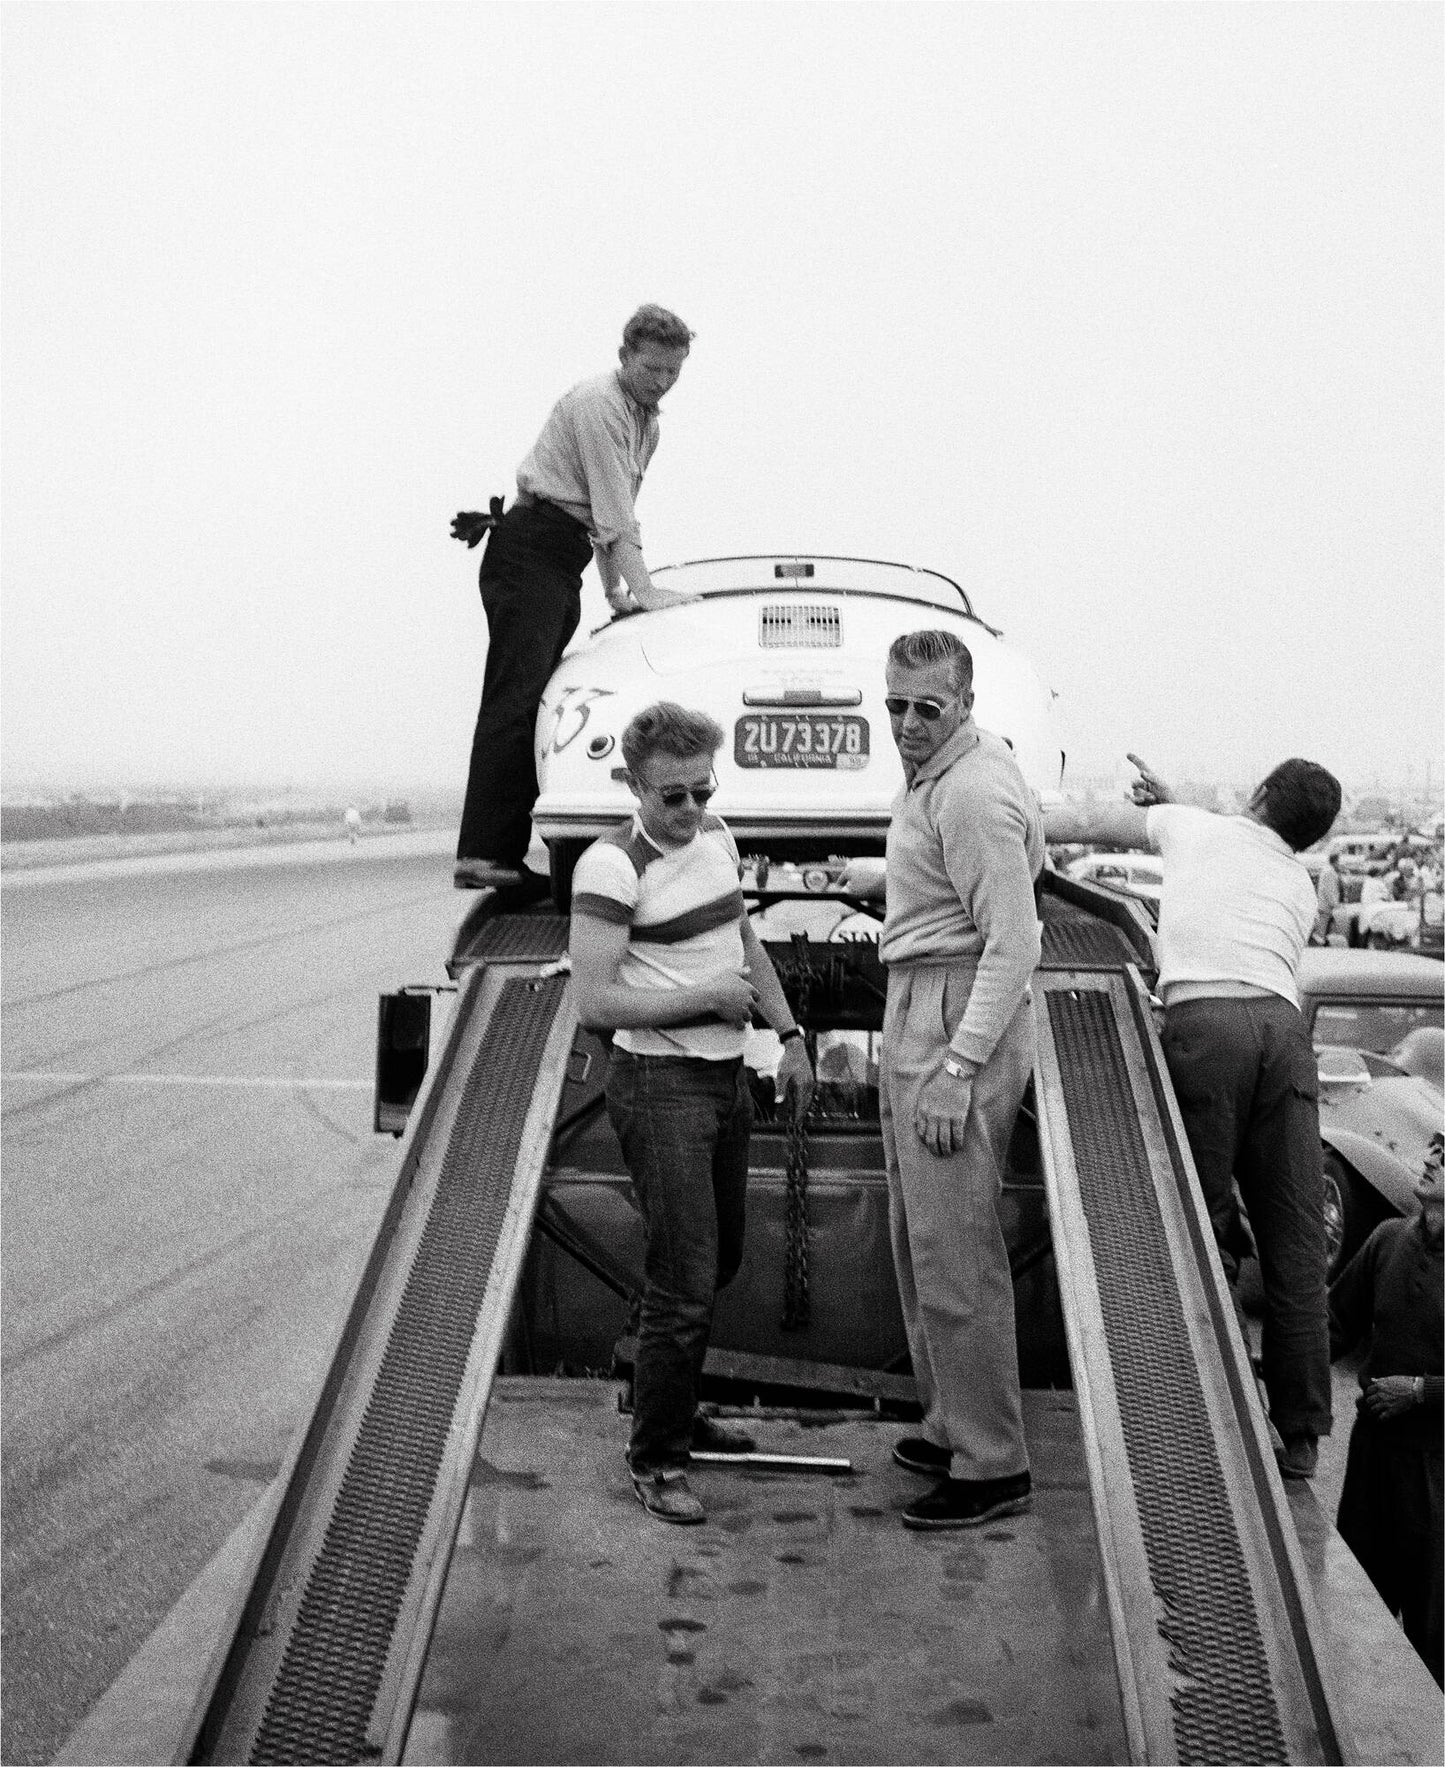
[1126,316]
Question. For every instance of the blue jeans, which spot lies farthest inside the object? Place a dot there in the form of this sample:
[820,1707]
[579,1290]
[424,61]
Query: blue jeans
[1248,1089]
[684,1127]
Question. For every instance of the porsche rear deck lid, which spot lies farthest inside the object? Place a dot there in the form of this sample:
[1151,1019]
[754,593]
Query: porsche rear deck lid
[814,573]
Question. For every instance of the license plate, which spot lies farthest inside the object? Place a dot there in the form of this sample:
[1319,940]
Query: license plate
[794,739]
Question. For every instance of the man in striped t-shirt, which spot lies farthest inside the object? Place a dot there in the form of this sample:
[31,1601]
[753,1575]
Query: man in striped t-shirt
[664,956]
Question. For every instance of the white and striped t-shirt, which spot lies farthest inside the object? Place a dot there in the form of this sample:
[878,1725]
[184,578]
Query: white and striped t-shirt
[683,909]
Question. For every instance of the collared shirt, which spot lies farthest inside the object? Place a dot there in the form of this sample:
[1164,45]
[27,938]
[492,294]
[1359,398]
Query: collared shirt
[591,455]
[683,909]
[964,845]
[1236,905]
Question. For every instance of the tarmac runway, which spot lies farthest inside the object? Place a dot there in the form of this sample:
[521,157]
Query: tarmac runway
[190,1185]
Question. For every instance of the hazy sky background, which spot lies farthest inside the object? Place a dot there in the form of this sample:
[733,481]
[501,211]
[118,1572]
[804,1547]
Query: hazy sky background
[1127,316]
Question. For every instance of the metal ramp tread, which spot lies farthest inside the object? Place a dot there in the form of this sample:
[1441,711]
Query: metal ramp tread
[329,1648]
[1079,942]
[1214,1628]
[510,938]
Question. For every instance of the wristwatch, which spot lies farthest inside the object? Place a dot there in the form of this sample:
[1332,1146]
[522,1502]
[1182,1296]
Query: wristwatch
[953,1065]
[791,1032]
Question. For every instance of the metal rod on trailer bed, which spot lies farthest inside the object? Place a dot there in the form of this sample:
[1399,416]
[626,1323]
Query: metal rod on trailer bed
[808,1463]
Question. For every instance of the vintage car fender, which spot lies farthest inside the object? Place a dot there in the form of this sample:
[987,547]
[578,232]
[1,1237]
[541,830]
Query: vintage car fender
[796,645]
[1382,1131]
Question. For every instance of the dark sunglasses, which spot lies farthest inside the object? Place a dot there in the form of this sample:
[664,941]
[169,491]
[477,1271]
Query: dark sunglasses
[930,710]
[675,796]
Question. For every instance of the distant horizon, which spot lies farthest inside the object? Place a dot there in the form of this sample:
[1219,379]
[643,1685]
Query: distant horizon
[34,789]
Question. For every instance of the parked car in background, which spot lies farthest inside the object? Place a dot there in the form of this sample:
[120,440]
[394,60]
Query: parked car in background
[1362,852]
[1411,925]
[1376,1019]
[1135,874]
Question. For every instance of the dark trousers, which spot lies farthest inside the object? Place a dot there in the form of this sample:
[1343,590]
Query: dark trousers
[1390,1518]
[684,1128]
[531,584]
[1248,1088]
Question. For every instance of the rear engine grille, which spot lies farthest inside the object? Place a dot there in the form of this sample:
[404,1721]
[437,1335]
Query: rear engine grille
[789,626]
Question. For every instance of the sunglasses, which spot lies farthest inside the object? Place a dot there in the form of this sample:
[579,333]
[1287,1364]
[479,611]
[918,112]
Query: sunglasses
[930,710]
[675,796]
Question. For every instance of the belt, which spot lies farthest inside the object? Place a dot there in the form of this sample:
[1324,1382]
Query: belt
[527,500]
[676,1061]
[966,960]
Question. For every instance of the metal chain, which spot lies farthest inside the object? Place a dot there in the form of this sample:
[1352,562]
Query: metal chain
[803,975]
[797,1307]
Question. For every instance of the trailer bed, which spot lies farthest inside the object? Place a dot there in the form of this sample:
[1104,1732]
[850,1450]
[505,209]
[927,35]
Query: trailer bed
[800,1623]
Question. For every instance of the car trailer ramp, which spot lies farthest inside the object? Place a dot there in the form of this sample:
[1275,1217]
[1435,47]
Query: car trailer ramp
[1212,1624]
[1215,1631]
[329,1643]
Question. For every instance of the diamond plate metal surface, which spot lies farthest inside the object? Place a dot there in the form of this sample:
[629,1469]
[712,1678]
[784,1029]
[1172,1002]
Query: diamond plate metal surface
[1080,942]
[520,938]
[320,1705]
[1224,1704]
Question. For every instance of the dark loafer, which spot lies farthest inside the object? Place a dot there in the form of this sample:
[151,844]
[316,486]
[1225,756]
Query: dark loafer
[919,1455]
[711,1437]
[669,1497]
[967,1503]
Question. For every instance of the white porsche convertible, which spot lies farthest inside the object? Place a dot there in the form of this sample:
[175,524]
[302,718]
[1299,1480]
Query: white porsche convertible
[787,653]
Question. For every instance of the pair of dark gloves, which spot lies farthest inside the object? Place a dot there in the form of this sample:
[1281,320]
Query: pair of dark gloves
[470,525]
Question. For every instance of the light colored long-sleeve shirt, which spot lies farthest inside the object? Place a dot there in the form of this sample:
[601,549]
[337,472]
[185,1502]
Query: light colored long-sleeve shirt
[965,844]
[590,458]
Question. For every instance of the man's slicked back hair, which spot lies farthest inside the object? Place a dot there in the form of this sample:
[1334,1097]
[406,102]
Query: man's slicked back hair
[1301,801]
[655,325]
[920,650]
[669,729]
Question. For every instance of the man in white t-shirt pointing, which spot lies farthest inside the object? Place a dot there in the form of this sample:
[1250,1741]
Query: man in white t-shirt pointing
[1235,912]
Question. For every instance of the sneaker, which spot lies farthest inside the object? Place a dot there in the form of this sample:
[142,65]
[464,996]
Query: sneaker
[711,1437]
[668,1496]
[919,1455]
[1299,1456]
[966,1503]
[484,874]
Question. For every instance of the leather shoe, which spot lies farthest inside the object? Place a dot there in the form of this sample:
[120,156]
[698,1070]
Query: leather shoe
[1299,1457]
[919,1455]
[668,1496]
[966,1503]
[712,1437]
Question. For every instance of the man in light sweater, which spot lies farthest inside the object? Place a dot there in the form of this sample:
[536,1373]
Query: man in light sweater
[961,941]
[1235,912]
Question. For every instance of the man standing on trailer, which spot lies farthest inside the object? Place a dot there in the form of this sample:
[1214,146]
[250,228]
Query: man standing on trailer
[1235,911]
[576,493]
[961,942]
[664,955]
